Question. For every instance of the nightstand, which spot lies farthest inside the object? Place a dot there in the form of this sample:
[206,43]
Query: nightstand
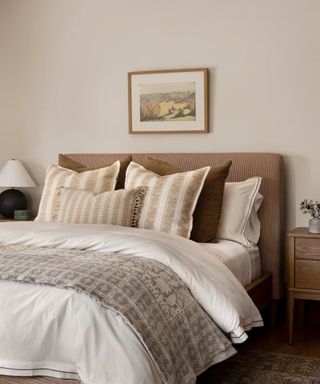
[303,270]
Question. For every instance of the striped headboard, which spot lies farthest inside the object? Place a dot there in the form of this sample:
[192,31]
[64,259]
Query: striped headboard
[244,165]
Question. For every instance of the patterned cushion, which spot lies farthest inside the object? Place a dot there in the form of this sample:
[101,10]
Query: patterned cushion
[207,213]
[170,200]
[120,207]
[67,162]
[97,181]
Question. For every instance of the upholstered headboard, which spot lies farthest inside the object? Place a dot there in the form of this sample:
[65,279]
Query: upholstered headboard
[244,165]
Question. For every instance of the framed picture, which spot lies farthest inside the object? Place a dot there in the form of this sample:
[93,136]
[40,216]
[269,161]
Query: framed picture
[168,101]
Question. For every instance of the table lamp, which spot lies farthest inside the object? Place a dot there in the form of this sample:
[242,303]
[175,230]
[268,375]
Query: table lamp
[12,175]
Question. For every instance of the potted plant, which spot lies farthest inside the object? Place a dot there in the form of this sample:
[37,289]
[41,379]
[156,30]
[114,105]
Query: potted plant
[313,209]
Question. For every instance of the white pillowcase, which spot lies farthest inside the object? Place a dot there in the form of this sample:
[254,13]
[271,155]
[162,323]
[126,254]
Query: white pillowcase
[239,219]
[252,230]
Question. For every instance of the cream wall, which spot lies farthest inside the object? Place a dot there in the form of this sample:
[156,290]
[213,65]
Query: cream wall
[64,64]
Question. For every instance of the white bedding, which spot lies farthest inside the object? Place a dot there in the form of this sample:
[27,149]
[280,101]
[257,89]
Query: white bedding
[244,262]
[70,336]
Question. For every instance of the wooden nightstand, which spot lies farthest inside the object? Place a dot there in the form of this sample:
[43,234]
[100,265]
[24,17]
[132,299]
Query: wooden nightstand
[303,270]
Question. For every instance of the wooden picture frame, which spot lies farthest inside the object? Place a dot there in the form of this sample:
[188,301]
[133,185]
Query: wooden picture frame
[168,101]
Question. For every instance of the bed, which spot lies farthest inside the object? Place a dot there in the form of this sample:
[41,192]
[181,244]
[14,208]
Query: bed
[130,353]
[270,167]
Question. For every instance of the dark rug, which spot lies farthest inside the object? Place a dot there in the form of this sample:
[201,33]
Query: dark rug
[264,368]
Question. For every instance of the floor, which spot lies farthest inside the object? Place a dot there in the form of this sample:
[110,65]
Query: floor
[306,343]
[306,336]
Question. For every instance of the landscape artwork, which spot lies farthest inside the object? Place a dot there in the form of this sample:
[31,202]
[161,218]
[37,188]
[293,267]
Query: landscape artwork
[168,101]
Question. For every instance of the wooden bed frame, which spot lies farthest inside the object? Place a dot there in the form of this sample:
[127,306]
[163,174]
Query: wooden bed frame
[268,288]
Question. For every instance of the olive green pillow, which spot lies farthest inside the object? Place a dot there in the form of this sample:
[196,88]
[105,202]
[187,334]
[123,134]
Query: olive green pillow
[207,212]
[66,162]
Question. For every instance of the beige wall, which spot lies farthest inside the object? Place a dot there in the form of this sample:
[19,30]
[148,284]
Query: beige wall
[64,64]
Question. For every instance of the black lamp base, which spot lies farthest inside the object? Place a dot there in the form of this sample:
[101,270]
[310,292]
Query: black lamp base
[11,200]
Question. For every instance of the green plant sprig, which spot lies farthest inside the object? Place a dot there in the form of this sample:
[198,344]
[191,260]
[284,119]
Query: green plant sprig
[310,207]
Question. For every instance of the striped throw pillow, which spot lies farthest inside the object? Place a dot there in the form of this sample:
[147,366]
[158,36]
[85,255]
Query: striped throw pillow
[170,200]
[67,162]
[96,181]
[121,207]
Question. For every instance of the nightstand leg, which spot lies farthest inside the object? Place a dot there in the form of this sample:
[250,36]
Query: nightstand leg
[290,313]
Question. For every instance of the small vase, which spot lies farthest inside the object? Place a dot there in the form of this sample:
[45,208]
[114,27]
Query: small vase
[314,226]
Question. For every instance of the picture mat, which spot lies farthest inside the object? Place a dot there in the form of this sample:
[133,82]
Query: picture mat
[161,78]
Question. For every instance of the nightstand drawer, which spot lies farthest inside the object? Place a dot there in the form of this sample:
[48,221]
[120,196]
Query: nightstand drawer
[307,274]
[307,249]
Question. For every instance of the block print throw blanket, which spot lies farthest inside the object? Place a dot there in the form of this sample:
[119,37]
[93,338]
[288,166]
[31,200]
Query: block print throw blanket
[178,334]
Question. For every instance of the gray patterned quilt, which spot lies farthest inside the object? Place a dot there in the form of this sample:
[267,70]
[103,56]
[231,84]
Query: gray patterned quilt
[178,334]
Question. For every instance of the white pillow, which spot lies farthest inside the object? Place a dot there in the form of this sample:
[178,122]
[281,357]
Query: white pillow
[239,219]
[252,230]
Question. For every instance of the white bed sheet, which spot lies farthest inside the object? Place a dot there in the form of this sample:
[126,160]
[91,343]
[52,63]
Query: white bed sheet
[244,262]
[57,332]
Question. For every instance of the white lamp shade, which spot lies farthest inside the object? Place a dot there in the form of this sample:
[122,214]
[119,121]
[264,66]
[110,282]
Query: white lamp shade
[13,174]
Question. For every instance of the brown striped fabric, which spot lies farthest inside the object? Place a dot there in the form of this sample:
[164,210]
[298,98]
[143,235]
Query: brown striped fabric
[170,200]
[269,166]
[121,207]
[97,181]
[67,162]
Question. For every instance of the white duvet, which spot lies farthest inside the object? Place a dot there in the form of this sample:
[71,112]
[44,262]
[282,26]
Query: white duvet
[57,332]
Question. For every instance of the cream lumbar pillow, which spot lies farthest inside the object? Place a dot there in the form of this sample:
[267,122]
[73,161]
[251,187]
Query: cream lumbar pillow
[239,221]
[170,200]
[96,181]
[120,207]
